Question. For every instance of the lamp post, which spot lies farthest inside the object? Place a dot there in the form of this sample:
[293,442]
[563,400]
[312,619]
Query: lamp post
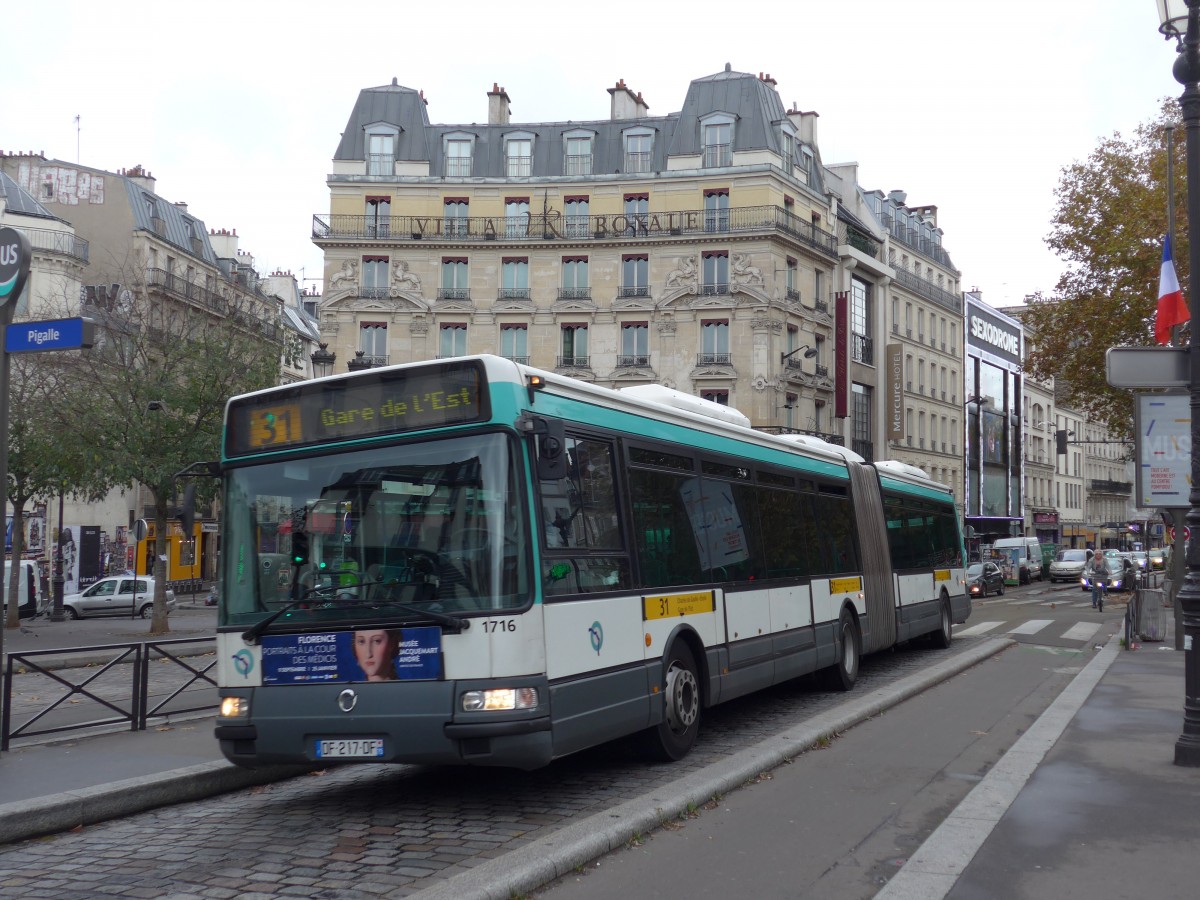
[322,361]
[809,352]
[1173,14]
[359,363]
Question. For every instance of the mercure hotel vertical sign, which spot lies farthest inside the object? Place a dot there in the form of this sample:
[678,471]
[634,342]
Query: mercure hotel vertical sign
[894,379]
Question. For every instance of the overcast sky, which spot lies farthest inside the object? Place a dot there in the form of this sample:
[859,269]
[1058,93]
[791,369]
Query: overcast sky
[237,108]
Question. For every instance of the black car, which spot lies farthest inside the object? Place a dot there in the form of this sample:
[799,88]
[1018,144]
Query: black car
[983,579]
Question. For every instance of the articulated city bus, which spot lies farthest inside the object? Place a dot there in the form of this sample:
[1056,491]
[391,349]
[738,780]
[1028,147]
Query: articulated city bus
[470,561]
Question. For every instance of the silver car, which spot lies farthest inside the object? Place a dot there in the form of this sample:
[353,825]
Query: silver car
[1068,565]
[115,596]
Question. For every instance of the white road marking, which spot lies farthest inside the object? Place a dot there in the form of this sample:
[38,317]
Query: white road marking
[1033,626]
[981,628]
[1082,631]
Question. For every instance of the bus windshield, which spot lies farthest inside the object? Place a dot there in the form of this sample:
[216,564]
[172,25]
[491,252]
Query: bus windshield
[377,534]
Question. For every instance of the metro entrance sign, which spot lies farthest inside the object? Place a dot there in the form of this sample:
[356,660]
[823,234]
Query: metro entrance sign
[54,334]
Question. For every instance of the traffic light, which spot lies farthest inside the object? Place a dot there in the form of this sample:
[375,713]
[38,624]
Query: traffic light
[1060,441]
[299,547]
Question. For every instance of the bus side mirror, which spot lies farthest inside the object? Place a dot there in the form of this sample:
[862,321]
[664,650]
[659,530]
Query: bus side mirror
[551,451]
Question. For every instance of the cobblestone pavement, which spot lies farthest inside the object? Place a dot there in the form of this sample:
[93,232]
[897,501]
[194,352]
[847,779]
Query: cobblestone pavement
[374,831]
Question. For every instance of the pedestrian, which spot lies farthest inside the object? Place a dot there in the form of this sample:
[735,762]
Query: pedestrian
[1099,579]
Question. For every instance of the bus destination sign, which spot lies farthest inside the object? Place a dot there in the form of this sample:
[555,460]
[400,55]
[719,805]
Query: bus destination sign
[365,405]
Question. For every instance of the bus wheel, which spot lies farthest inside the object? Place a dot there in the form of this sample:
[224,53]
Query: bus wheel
[843,675]
[945,632]
[674,736]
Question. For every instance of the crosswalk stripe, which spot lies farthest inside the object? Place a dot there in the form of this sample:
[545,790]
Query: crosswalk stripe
[981,628]
[1082,631]
[1033,626]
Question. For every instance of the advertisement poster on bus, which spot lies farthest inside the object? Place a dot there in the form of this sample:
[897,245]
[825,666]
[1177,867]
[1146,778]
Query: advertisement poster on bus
[720,538]
[392,654]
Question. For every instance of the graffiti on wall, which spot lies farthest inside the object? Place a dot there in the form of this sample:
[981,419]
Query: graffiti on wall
[61,184]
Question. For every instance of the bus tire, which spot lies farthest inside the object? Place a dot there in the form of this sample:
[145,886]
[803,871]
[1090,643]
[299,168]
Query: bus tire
[941,638]
[672,738]
[843,674]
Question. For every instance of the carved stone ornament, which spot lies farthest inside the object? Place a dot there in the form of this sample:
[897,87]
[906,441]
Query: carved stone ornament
[403,279]
[684,275]
[743,272]
[346,278]
[760,382]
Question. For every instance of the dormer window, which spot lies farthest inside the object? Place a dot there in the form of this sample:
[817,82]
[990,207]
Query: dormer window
[639,151]
[787,149]
[717,138]
[458,158]
[518,156]
[381,154]
[578,155]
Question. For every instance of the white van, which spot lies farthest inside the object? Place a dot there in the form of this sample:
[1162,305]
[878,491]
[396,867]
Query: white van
[30,601]
[1029,556]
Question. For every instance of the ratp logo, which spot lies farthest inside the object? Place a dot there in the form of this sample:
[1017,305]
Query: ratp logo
[596,634]
[243,661]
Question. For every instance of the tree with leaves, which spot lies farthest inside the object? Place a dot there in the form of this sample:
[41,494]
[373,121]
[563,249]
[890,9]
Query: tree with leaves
[149,397]
[1109,222]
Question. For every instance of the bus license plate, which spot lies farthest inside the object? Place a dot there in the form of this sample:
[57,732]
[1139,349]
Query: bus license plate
[350,748]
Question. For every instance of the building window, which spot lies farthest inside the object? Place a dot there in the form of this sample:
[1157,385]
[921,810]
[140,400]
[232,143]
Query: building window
[819,300]
[862,422]
[576,209]
[635,268]
[716,395]
[514,341]
[378,216]
[579,156]
[860,322]
[575,278]
[456,210]
[454,280]
[638,153]
[574,346]
[516,217]
[718,139]
[374,277]
[452,340]
[716,210]
[793,282]
[715,272]
[514,278]
[372,341]
[637,210]
[381,155]
[714,335]
[787,147]
[458,158]
[518,155]
[635,342]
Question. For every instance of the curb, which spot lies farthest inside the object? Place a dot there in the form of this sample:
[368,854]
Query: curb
[71,809]
[542,861]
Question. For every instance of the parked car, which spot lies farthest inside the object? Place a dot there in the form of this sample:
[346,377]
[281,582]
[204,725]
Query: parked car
[115,596]
[1158,558]
[1068,564]
[1141,559]
[984,578]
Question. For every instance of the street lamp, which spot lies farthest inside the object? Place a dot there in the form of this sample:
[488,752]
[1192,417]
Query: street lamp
[809,352]
[359,363]
[322,361]
[1173,14]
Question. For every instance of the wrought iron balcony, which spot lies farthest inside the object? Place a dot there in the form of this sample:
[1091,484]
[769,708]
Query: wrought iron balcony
[865,449]
[863,349]
[783,429]
[63,242]
[714,359]
[710,290]
[454,294]
[513,293]
[637,162]
[629,362]
[575,293]
[559,227]
[523,360]
[573,362]
[717,155]
[929,291]
[1102,486]
[637,290]
[821,306]
[580,164]
[858,239]
[792,294]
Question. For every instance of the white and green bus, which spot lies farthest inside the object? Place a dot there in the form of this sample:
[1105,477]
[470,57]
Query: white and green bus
[470,561]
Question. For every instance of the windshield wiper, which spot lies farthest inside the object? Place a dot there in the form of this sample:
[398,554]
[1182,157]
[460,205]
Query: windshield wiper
[252,634]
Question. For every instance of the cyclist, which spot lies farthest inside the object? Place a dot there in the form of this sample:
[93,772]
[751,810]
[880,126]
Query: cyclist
[1099,579]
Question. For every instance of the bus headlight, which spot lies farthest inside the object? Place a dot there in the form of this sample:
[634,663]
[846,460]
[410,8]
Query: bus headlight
[235,708]
[500,699]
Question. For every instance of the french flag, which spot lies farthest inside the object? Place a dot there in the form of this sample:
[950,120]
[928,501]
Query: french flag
[1172,310]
